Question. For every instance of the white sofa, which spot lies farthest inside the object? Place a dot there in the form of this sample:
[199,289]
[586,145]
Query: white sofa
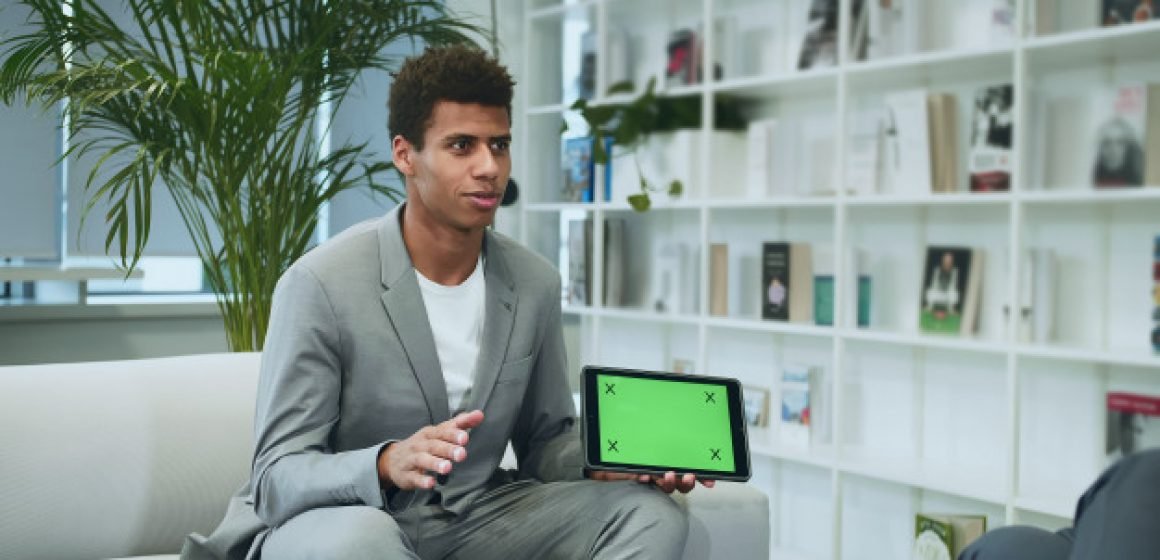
[124,458]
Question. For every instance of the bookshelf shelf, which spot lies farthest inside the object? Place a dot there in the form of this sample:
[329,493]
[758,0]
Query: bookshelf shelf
[783,202]
[778,327]
[647,316]
[925,341]
[1128,358]
[1088,196]
[920,69]
[1097,46]
[934,199]
[978,423]
[796,84]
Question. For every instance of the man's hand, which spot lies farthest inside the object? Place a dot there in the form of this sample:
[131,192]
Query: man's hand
[667,483]
[406,464]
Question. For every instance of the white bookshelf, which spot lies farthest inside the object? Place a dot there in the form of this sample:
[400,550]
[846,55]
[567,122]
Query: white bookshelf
[981,424]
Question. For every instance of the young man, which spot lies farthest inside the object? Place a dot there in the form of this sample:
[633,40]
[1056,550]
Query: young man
[404,354]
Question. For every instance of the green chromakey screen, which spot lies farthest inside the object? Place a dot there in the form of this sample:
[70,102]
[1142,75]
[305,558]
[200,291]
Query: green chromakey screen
[660,422]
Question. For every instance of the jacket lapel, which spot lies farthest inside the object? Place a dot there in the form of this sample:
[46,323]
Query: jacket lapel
[403,302]
[499,317]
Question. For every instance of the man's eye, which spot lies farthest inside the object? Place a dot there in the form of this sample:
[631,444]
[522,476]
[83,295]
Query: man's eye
[461,144]
[501,145]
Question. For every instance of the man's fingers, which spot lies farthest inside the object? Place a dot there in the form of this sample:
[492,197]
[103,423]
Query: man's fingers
[687,483]
[708,483]
[440,448]
[468,420]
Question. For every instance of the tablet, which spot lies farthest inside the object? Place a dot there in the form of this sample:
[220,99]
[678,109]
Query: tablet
[653,422]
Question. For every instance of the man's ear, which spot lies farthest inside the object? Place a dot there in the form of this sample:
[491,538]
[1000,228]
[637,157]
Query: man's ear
[402,152]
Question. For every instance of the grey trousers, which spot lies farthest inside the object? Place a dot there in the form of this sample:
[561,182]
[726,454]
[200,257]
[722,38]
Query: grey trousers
[525,519]
[1117,518]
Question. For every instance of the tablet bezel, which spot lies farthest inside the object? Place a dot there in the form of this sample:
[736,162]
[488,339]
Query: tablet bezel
[742,467]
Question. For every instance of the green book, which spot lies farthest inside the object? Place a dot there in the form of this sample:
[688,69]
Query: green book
[943,537]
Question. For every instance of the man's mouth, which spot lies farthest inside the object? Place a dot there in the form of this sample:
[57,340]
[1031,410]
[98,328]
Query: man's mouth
[484,200]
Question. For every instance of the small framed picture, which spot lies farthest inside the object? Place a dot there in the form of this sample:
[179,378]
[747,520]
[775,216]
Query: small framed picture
[682,365]
[756,406]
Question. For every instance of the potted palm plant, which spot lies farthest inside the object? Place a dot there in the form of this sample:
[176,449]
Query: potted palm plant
[216,101]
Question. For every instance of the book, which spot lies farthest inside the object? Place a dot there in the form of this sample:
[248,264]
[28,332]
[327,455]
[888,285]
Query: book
[787,282]
[718,279]
[1156,296]
[907,142]
[759,143]
[756,404]
[1127,137]
[894,28]
[615,262]
[804,417]
[820,44]
[951,286]
[1119,12]
[1037,286]
[579,169]
[1133,424]
[945,536]
[824,285]
[578,284]
[857,265]
[942,109]
[1065,141]
[681,65]
[672,283]
[992,123]
[586,80]
[794,422]
[863,162]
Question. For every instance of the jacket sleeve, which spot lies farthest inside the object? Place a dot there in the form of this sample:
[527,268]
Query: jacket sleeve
[299,390]
[546,439]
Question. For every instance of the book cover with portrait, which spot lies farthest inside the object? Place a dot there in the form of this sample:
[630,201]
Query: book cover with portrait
[950,287]
[1120,12]
[992,122]
[787,283]
[1133,424]
[1123,149]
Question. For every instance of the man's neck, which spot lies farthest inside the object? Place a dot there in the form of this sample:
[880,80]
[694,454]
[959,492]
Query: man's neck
[441,254]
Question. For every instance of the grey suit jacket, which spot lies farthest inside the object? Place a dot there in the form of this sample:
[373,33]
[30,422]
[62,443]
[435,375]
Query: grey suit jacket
[350,364]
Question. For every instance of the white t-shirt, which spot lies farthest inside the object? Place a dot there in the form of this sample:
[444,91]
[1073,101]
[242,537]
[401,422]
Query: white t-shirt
[456,316]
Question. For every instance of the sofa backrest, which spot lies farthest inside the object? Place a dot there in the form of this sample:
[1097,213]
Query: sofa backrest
[122,458]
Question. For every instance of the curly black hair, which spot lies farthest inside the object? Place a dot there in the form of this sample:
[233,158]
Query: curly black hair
[460,73]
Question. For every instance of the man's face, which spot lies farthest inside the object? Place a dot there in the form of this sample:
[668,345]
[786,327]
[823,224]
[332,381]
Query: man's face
[458,178]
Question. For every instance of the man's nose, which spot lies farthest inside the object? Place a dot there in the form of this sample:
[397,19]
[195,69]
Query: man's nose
[487,165]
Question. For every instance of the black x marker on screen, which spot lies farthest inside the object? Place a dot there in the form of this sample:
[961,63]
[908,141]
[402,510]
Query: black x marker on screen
[710,397]
[716,454]
[609,388]
[612,445]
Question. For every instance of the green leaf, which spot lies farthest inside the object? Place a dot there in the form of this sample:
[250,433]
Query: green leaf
[599,154]
[640,202]
[621,87]
[676,188]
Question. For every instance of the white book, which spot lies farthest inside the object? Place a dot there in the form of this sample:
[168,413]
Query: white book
[759,141]
[785,157]
[667,278]
[794,419]
[862,164]
[907,139]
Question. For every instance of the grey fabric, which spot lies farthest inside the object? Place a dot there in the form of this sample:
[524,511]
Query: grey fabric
[350,365]
[349,533]
[1117,517]
[524,519]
